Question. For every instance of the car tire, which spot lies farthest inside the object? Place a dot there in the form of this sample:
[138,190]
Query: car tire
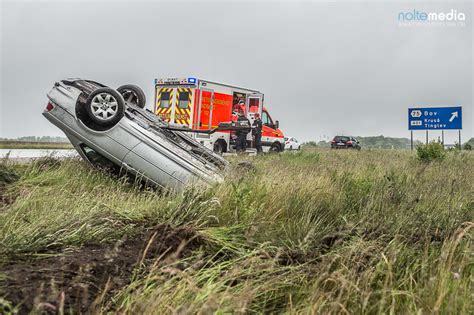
[291,147]
[105,107]
[132,95]
[218,147]
[275,148]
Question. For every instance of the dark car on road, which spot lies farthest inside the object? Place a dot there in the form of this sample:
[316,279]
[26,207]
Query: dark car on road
[345,142]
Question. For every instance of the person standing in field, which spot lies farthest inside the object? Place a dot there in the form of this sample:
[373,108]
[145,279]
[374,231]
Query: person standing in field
[241,141]
[257,133]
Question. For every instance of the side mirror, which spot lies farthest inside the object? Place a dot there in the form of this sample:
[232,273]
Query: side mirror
[277,124]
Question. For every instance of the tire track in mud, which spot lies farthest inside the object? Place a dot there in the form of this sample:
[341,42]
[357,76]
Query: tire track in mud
[79,278]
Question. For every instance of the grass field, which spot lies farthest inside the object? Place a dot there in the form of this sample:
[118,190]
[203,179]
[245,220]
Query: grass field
[5,144]
[364,232]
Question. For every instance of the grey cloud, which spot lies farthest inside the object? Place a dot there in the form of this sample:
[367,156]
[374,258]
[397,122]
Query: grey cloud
[325,68]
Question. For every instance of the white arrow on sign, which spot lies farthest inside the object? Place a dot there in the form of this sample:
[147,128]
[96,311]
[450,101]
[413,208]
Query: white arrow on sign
[453,115]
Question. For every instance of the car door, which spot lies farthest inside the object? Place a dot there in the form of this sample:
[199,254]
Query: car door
[254,106]
[270,133]
[155,165]
[291,144]
[355,143]
[294,144]
[205,109]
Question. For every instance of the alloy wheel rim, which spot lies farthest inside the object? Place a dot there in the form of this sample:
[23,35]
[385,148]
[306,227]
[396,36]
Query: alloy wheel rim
[104,106]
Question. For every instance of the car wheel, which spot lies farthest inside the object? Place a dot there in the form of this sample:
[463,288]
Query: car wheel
[105,106]
[275,148]
[299,148]
[291,147]
[132,94]
[218,147]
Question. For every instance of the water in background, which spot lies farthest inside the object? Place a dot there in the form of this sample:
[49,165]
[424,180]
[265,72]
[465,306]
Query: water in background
[35,153]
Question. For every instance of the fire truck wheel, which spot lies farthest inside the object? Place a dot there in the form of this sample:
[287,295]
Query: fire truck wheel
[105,107]
[219,147]
[132,94]
[275,148]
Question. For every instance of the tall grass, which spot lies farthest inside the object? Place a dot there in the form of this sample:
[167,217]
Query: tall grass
[311,232]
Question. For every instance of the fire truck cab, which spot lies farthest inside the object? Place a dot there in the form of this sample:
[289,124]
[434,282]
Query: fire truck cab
[202,105]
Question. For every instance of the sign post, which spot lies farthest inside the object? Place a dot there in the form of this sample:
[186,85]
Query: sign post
[460,146]
[435,118]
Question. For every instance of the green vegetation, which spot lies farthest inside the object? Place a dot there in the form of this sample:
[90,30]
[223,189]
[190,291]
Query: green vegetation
[469,144]
[312,232]
[32,142]
[381,142]
[373,142]
[11,144]
[433,151]
[37,139]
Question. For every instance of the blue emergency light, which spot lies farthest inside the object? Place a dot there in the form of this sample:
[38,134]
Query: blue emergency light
[192,80]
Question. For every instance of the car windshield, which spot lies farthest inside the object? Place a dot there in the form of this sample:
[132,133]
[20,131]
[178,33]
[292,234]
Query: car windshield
[99,160]
[341,138]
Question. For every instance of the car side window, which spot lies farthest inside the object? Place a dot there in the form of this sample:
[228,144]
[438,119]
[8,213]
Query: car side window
[99,160]
[266,120]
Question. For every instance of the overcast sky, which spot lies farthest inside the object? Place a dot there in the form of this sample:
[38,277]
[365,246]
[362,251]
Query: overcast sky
[326,68]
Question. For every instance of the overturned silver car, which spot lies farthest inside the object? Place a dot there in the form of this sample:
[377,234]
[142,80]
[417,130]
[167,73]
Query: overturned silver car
[111,127]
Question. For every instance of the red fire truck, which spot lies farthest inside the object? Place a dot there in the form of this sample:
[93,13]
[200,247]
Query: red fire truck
[202,105]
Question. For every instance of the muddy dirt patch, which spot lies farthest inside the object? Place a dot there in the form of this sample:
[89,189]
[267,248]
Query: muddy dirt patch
[81,279]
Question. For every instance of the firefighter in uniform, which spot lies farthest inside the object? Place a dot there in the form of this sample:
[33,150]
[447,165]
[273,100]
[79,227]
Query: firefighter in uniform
[257,133]
[241,141]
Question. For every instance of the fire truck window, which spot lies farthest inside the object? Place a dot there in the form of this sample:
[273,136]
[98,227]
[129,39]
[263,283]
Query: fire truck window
[266,120]
[165,100]
[253,105]
[183,100]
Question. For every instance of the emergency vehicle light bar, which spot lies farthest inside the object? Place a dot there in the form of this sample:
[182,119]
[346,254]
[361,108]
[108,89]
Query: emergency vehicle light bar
[175,81]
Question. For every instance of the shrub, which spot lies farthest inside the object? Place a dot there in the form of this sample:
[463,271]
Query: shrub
[7,174]
[310,144]
[430,152]
[468,147]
